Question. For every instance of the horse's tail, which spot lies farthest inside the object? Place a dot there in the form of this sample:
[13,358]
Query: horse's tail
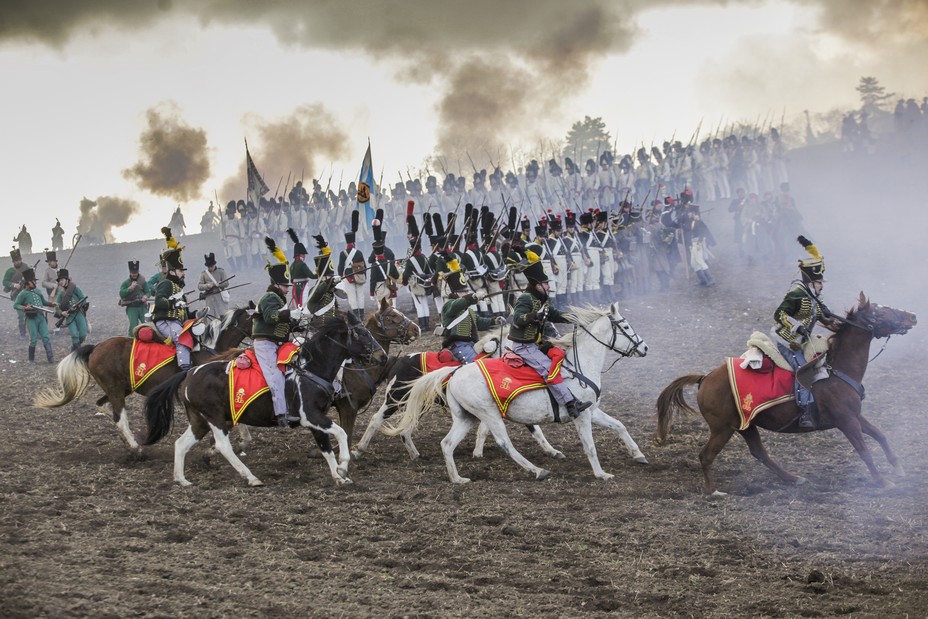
[73,380]
[670,400]
[421,396]
[159,408]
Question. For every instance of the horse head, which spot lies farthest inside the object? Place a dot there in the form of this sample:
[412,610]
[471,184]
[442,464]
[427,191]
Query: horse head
[361,344]
[636,345]
[882,320]
[388,323]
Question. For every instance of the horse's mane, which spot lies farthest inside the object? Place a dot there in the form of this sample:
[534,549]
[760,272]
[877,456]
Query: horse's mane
[579,316]
[835,341]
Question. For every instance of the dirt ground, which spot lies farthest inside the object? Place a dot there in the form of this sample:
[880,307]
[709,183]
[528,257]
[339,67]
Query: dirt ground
[88,530]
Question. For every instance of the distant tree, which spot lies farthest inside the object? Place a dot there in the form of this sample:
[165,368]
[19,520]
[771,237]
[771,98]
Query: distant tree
[586,140]
[872,94]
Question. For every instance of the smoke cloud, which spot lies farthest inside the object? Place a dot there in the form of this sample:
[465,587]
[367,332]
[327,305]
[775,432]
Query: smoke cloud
[100,216]
[175,160]
[299,145]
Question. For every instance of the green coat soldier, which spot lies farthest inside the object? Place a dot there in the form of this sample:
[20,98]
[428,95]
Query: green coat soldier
[30,302]
[459,322]
[300,272]
[133,295]
[321,300]
[170,311]
[72,308]
[13,284]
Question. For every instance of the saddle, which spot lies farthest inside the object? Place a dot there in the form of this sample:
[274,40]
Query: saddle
[512,359]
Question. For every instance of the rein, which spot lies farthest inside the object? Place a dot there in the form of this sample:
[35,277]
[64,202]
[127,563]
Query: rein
[576,370]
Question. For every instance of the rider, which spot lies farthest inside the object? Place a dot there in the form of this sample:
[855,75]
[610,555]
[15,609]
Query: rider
[531,311]
[271,327]
[321,300]
[170,310]
[458,320]
[794,319]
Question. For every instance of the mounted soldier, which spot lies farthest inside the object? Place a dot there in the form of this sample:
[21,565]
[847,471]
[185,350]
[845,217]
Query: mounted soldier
[300,272]
[170,311]
[458,320]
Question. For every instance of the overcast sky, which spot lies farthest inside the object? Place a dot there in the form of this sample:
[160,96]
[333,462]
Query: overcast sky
[90,88]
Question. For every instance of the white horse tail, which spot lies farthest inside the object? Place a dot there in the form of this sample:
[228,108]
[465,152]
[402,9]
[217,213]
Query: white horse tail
[422,394]
[73,380]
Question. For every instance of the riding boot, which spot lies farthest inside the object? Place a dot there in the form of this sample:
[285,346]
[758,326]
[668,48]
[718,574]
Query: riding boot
[74,346]
[32,354]
[708,277]
[49,354]
[805,418]
[575,407]
[360,314]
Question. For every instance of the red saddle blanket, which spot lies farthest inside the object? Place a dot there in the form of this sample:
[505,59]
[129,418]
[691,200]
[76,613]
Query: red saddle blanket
[246,384]
[757,390]
[148,354]
[506,382]
[431,361]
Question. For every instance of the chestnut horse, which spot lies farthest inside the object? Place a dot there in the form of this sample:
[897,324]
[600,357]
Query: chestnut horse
[837,396]
[204,392]
[359,383]
[107,363]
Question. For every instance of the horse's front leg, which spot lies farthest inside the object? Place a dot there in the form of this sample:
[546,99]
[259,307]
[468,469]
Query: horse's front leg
[870,429]
[607,421]
[851,427]
[338,468]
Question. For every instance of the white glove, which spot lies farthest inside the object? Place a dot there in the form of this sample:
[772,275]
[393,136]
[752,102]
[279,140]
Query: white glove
[179,305]
[177,296]
[480,295]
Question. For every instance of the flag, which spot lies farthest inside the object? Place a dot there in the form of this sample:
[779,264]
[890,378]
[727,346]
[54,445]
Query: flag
[365,187]
[256,186]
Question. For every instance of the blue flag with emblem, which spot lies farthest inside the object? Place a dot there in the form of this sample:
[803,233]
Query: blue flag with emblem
[366,186]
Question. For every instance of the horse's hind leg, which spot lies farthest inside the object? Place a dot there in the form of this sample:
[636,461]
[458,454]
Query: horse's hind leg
[224,446]
[244,437]
[121,419]
[607,421]
[482,432]
[535,431]
[718,438]
[497,428]
[871,430]
[462,422]
[752,437]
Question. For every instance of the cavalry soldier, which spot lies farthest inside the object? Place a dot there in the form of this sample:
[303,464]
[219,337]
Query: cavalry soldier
[459,322]
[320,300]
[352,269]
[212,286]
[417,275]
[133,295]
[300,272]
[170,311]
[271,327]
[532,310]
[72,308]
[795,318]
[383,271]
[27,300]
[13,284]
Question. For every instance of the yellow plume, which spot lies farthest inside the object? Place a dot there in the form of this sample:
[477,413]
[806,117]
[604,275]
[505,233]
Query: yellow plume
[531,256]
[326,251]
[453,265]
[169,238]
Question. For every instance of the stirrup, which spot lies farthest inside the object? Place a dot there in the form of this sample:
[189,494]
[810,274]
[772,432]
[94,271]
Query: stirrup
[287,421]
[575,407]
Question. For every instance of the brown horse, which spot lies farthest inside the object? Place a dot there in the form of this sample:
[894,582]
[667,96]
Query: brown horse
[107,364]
[204,392]
[838,398]
[359,383]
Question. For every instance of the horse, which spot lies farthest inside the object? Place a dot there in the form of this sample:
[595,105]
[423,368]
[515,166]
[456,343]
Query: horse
[108,365]
[469,399]
[387,325]
[838,398]
[204,392]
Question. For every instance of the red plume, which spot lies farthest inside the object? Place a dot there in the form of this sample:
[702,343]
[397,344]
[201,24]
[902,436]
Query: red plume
[409,208]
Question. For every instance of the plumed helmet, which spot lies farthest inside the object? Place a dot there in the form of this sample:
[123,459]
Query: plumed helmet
[812,268]
[298,248]
[209,259]
[279,272]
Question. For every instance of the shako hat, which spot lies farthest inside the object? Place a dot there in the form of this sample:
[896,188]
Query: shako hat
[298,248]
[534,271]
[324,258]
[279,272]
[133,266]
[813,269]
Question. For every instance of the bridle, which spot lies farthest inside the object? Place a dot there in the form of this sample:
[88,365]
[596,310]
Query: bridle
[402,337]
[353,332]
[634,341]
[869,325]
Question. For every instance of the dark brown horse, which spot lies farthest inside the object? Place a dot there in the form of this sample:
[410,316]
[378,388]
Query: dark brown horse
[837,396]
[359,383]
[107,364]
[204,392]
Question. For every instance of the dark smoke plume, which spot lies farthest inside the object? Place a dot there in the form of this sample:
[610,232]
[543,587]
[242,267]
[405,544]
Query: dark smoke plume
[98,218]
[302,144]
[175,160]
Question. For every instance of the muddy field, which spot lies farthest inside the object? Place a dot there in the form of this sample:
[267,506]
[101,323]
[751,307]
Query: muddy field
[87,530]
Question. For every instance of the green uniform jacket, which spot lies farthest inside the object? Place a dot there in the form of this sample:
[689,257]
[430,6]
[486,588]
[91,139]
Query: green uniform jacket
[804,308]
[300,274]
[272,318]
[76,297]
[133,298]
[321,296]
[530,331]
[13,276]
[164,306]
[29,297]
[465,330]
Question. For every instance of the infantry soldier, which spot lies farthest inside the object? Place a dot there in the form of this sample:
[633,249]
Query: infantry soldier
[594,250]
[472,258]
[577,261]
[72,308]
[416,273]
[13,284]
[25,241]
[795,318]
[383,272]
[170,309]
[532,310]
[212,286]
[232,235]
[133,295]
[50,278]
[352,269]
[30,302]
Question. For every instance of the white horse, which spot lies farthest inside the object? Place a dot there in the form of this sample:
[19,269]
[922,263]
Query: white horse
[406,371]
[470,401]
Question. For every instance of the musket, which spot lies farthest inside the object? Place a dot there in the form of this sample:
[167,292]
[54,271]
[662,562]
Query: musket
[54,290]
[205,294]
[287,186]
[218,284]
[489,158]
[442,166]
[83,304]
[451,222]
[278,187]
[471,161]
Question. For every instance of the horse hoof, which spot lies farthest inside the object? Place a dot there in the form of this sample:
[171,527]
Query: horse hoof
[559,455]
[899,471]
[800,481]
[461,480]
[641,460]
[183,483]
[542,474]
[343,481]
[886,484]
[605,476]
[718,493]
[356,455]
[255,482]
